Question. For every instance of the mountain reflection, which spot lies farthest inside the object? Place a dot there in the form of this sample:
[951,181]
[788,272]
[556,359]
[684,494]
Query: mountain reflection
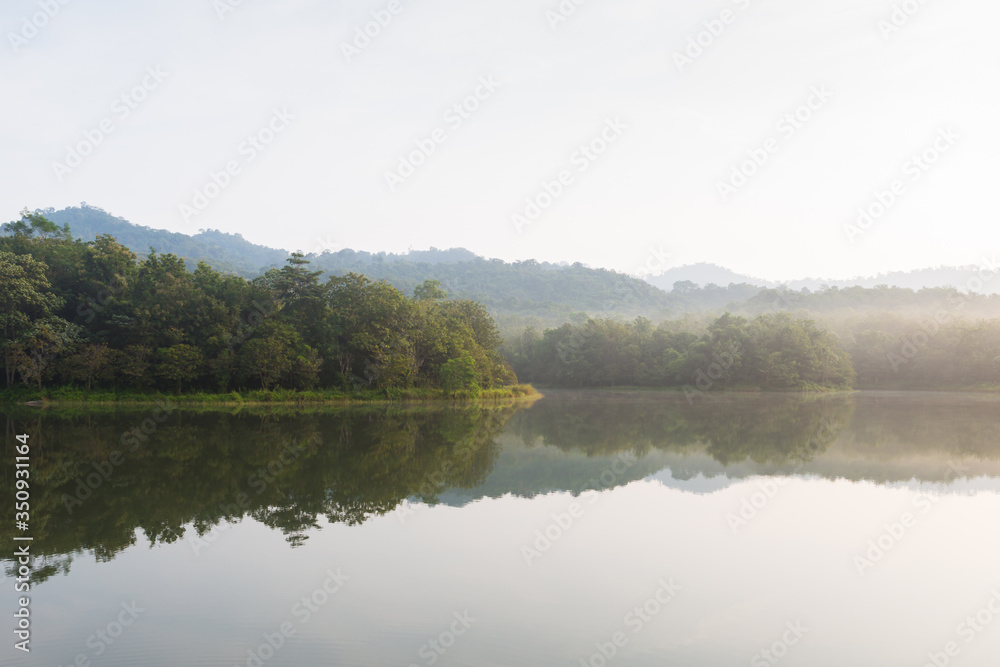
[95,483]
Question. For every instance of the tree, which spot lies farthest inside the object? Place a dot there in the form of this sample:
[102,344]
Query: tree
[304,373]
[132,364]
[90,362]
[24,297]
[870,356]
[429,290]
[793,353]
[36,350]
[180,363]
[460,373]
[276,353]
[369,324]
[32,224]
[268,358]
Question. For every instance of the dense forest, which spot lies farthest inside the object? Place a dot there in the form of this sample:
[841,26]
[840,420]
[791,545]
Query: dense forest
[93,315]
[774,350]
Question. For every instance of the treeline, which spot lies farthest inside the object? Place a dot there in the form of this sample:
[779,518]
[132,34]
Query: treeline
[772,351]
[91,314]
[938,351]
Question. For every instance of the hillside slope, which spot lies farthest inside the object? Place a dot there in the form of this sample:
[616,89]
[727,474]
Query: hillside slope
[549,292]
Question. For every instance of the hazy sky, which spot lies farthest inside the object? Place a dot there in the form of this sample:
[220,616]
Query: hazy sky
[309,118]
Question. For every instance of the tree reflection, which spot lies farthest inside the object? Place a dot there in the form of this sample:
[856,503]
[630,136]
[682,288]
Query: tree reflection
[94,491]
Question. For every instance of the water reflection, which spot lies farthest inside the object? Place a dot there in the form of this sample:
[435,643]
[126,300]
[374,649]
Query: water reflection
[93,487]
[98,482]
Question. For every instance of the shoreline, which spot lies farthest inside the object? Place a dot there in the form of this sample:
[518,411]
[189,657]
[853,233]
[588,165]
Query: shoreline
[68,397]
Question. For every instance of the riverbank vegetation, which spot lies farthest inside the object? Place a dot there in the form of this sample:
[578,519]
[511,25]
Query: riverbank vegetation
[775,351]
[92,321]
[76,396]
[93,316]
[770,352]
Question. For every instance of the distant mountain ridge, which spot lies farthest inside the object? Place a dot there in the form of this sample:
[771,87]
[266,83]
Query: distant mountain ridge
[530,292]
[964,278]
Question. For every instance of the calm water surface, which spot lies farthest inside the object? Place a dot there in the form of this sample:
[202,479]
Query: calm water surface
[592,528]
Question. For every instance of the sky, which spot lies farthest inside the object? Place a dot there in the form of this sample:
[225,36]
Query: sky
[779,138]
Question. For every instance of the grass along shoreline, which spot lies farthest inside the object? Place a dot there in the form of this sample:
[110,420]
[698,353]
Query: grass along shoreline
[73,396]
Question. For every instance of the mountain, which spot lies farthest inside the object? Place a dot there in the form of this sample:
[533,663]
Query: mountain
[964,278]
[225,252]
[703,274]
[549,293]
[543,294]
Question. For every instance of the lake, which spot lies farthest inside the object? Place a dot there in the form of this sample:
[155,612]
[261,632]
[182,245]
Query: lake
[588,528]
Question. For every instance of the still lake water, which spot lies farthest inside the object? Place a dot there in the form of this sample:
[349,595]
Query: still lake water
[594,528]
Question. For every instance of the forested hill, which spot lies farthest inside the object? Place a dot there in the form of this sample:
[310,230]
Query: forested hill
[547,291]
[229,253]
[529,288]
[543,294]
